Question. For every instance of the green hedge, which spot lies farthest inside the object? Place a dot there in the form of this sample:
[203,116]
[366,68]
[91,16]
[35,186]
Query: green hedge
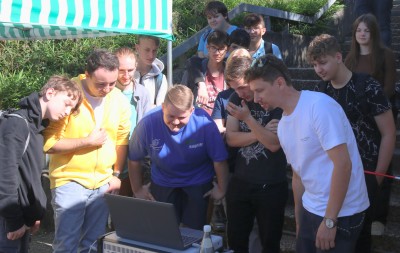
[26,65]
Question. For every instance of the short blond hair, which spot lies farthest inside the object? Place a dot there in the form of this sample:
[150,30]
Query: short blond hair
[238,62]
[180,96]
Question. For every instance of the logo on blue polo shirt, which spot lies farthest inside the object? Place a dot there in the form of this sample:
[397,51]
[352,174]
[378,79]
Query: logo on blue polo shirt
[192,143]
[197,145]
[155,144]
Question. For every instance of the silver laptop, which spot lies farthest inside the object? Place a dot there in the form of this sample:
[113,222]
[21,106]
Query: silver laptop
[149,222]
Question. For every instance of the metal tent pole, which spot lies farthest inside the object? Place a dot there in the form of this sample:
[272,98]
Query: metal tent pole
[169,63]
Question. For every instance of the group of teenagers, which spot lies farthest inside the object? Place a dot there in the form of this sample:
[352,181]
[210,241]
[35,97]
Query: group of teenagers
[227,132]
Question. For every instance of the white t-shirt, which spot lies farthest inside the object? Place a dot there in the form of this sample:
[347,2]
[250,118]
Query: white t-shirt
[97,104]
[316,125]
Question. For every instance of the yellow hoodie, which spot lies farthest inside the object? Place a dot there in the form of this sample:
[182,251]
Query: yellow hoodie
[90,167]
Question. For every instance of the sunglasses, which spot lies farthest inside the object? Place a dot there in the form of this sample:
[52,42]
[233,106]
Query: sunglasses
[266,61]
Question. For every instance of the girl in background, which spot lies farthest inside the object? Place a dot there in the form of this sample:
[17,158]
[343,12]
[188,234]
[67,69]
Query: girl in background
[369,55]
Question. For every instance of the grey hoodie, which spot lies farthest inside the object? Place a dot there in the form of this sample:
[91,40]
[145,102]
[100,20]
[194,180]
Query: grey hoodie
[149,81]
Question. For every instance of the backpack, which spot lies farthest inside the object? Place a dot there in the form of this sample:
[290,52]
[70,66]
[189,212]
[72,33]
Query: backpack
[359,83]
[268,47]
[8,113]
[159,79]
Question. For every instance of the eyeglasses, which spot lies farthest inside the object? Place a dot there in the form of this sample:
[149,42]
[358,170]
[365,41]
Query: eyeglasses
[215,49]
[266,60]
[252,28]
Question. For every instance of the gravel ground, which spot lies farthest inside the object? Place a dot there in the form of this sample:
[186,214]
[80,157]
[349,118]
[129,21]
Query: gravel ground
[41,242]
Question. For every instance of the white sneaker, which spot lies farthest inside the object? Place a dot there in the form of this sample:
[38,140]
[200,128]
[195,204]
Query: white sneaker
[377,228]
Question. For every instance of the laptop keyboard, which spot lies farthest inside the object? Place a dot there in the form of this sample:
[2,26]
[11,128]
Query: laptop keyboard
[190,236]
[187,240]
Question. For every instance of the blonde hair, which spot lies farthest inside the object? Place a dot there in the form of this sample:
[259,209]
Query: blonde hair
[180,96]
[238,62]
[125,51]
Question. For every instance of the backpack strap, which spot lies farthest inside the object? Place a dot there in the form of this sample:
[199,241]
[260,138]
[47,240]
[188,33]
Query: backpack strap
[205,36]
[27,124]
[159,79]
[268,47]
[204,63]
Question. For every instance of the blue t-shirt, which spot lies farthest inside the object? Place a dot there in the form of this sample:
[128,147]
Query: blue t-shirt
[261,51]
[219,111]
[178,159]
[203,39]
[128,94]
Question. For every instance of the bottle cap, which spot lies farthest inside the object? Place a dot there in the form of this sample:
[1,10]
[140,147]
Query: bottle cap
[207,228]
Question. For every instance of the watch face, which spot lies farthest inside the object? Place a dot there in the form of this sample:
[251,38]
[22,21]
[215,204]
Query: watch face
[329,223]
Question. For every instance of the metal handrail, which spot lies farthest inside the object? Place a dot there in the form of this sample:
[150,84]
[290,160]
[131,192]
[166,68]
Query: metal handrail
[194,39]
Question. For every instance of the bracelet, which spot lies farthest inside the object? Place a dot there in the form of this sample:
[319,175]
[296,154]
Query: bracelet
[116,174]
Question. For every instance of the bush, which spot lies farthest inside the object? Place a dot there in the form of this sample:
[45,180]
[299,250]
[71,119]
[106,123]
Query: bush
[26,65]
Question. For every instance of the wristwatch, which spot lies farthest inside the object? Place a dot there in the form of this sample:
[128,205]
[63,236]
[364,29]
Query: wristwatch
[116,174]
[330,223]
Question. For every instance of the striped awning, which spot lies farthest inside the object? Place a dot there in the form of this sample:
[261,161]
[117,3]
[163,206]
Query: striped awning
[60,19]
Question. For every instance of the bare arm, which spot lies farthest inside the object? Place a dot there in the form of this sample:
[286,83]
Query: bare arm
[340,179]
[261,134]
[221,171]
[385,123]
[342,166]
[264,135]
[202,93]
[135,177]
[234,137]
[298,191]
[66,145]
[220,124]
[115,182]
[121,151]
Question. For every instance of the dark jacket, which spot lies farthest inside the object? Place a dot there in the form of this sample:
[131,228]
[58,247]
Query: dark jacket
[196,68]
[22,199]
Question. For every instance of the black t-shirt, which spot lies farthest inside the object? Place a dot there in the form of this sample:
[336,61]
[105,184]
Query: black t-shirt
[363,123]
[254,163]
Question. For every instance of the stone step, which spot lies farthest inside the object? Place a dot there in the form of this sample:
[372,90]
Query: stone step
[396,162]
[395,12]
[304,84]
[303,73]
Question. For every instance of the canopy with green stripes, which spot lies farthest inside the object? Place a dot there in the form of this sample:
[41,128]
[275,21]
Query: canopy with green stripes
[60,19]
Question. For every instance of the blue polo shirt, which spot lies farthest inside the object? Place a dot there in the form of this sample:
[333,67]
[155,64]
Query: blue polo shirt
[182,158]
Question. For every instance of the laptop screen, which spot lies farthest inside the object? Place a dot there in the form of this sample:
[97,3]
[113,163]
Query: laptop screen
[145,221]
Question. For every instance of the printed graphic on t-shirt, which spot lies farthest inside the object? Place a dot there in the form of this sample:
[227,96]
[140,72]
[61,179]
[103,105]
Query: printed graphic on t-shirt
[363,124]
[255,150]
[214,86]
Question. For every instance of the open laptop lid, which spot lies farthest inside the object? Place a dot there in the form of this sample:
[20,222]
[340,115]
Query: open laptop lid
[145,221]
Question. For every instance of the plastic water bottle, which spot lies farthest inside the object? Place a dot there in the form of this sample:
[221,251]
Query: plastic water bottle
[206,243]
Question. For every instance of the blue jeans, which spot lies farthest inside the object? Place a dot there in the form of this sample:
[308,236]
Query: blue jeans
[382,10]
[16,246]
[348,230]
[80,217]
